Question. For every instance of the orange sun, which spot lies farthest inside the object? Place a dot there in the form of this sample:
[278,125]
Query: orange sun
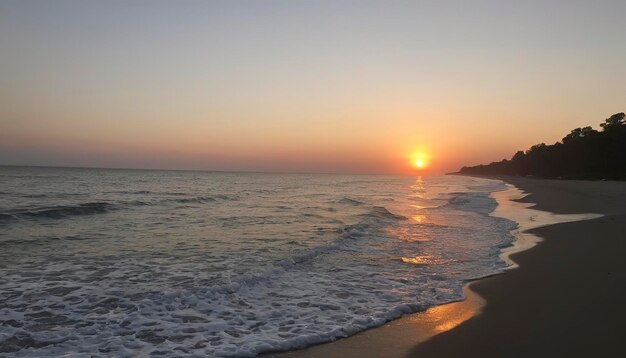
[419,160]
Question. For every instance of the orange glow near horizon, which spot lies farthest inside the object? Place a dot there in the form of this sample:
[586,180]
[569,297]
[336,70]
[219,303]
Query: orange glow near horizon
[286,95]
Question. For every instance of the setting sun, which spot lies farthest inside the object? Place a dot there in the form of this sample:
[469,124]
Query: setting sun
[286,174]
[419,160]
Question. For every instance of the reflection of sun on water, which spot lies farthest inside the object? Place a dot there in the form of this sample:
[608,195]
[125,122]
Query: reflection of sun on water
[414,260]
[443,318]
[423,260]
[436,319]
[448,316]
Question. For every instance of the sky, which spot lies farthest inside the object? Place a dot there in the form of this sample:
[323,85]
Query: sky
[302,86]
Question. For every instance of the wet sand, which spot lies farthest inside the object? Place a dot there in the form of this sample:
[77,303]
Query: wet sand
[564,299]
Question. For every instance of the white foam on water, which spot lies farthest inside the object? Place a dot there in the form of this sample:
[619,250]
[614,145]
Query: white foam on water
[527,218]
[236,297]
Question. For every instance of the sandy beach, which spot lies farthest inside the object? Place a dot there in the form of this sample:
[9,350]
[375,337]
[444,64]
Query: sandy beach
[297,179]
[564,299]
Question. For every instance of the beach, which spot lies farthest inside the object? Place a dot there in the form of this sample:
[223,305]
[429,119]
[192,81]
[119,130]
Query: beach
[564,299]
[297,179]
[402,266]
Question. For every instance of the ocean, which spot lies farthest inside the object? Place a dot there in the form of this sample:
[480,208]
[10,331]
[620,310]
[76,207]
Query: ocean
[99,262]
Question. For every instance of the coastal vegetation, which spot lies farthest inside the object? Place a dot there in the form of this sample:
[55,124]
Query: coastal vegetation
[585,153]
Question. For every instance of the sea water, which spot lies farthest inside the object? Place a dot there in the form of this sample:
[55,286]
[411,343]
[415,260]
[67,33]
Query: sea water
[99,262]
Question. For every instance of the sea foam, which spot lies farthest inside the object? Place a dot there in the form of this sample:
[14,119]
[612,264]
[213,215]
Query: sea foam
[269,263]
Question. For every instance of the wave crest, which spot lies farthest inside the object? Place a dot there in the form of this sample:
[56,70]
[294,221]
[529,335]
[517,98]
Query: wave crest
[349,201]
[64,211]
[381,213]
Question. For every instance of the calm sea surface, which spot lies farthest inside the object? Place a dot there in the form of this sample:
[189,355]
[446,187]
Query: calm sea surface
[99,262]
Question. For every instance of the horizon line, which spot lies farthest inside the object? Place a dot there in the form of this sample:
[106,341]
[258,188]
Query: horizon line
[212,170]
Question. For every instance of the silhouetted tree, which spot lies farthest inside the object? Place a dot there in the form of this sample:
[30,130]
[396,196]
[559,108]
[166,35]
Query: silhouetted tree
[584,153]
[613,121]
[579,133]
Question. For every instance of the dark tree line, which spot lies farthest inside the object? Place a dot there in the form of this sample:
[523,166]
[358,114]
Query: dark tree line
[585,153]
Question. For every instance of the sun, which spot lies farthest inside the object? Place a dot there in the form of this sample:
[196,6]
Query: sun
[420,160]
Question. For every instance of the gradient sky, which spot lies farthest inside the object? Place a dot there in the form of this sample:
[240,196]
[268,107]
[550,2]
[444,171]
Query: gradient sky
[332,86]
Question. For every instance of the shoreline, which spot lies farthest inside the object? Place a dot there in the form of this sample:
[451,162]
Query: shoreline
[564,299]
[445,330]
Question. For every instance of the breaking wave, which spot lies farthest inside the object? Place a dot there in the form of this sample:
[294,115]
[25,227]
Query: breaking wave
[61,212]
[237,275]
